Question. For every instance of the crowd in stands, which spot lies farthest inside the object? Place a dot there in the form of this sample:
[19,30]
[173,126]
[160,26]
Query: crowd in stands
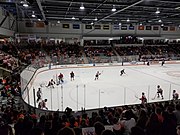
[150,119]
[10,86]
[161,118]
[99,54]
[63,53]
[8,61]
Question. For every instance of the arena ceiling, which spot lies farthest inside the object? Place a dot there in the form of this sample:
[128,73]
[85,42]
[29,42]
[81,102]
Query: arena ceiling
[97,11]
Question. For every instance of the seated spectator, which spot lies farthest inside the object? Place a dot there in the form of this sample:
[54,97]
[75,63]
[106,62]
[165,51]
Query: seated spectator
[127,122]
[99,127]
[66,131]
[137,131]
[107,132]
[36,131]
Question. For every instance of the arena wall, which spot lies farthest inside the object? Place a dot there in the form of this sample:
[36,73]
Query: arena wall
[57,31]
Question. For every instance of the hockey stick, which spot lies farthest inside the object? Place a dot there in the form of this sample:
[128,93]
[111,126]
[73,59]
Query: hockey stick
[136,97]
[154,96]
[101,72]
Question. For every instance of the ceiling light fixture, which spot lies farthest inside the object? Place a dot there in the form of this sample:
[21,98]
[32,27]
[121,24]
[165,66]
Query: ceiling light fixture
[58,21]
[157,11]
[92,23]
[160,21]
[113,9]
[140,24]
[39,19]
[96,19]
[162,25]
[128,20]
[120,24]
[82,7]
[25,5]
[73,18]
[33,15]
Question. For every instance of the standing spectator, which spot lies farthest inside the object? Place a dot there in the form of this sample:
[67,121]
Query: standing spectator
[99,127]
[169,123]
[177,113]
[142,120]
[153,126]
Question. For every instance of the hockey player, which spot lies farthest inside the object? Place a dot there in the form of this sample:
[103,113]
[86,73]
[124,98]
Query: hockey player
[72,75]
[38,94]
[97,75]
[143,98]
[163,61]
[122,72]
[159,91]
[61,78]
[51,83]
[42,104]
[175,95]
[148,63]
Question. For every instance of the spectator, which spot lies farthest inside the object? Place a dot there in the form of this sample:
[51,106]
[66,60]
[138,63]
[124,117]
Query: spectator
[177,113]
[142,120]
[153,125]
[107,132]
[36,131]
[66,131]
[137,131]
[128,122]
[99,127]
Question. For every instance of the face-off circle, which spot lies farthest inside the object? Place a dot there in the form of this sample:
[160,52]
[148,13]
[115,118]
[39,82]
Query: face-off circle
[174,73]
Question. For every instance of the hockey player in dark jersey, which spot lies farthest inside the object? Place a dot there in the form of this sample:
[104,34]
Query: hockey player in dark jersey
[97,75]
[61,78]
[163,61]
[72,75]
[122,72]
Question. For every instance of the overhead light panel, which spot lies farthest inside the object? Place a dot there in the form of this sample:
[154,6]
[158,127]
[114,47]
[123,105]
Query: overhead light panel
[160,21]
[157,11]
[128,20]
[96,19]
[73,18]
[113,9]
[33,15]
[25,5]
[82,7]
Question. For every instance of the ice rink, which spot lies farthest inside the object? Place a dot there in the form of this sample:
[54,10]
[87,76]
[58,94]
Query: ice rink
[110,90]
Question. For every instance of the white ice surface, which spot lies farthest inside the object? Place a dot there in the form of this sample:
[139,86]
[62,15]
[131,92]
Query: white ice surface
[111,89]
